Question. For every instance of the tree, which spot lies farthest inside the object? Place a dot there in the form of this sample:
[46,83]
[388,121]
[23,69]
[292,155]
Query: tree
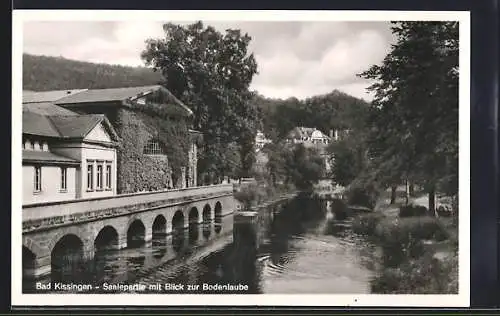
[344,165]
[304,166]
[276,167]
[210,72]
[416,105]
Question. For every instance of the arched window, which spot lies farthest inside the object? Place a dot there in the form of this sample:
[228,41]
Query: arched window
[154,147]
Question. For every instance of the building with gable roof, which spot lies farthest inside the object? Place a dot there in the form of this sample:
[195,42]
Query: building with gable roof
[117,119]
[67,157]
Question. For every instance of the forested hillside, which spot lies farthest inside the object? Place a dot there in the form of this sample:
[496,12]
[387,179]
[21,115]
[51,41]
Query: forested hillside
[278,116]
[41,73]
[333,110]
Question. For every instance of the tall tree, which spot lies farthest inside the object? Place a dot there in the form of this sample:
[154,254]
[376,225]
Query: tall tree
[416,104]
[304,166]
[211,72]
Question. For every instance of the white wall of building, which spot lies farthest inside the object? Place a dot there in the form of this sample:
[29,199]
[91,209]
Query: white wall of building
[99,134]
[50,184]
[95,155]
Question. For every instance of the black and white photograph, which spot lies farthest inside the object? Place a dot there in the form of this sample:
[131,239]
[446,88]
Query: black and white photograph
[175,158]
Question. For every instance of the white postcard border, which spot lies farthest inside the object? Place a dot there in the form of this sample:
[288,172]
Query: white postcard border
[460,300]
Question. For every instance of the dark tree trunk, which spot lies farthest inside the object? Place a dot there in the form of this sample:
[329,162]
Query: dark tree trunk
[393,194]
[407,194]
[432,201]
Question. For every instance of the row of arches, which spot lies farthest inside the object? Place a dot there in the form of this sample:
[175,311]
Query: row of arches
[68,252]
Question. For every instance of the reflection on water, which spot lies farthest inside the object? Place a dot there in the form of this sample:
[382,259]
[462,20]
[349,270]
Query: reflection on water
[301,249]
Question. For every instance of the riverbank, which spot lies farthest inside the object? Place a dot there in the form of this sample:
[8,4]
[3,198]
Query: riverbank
[419,253]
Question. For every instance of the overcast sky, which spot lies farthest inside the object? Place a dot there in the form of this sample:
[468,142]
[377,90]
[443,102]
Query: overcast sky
[298,59]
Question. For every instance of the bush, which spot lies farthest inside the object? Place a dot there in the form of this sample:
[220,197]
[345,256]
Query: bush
[339,208]
[401,238]
[412,210]
[425,275]
[254,193]
[362,197]
[249,195]
[419,227]
[365,224]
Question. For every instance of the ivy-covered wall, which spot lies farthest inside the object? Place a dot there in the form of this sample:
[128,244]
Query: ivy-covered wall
[135,124]
[140,172]
[136,171]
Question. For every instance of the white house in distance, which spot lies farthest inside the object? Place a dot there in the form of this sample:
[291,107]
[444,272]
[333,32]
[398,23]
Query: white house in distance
[312,138]
[308,136]
[261,140]
[65,155]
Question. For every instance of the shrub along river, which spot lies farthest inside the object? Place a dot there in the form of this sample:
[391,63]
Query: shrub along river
[301,250]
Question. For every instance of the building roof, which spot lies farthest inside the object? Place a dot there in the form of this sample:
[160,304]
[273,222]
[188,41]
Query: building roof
[64,126]
[76,126]
[47,108]
[48,96]
[125,96]
[46,156]
[106,95]
[40,125]
[128,95]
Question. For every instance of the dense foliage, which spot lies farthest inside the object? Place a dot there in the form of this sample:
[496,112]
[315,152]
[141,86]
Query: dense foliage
[409,261]
[304,167]
[139,172]
[175,138]
[335,110]
[211,71]
[414,115]
[42,73]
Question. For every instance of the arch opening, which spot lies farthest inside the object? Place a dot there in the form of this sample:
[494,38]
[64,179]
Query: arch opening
[207,221]
[178,222]
[218,217]
[136,234]
[178,230]
[29,262]
[193,225]
[207,214]
[107,239]
[159,227]
[67,259]
[159,236]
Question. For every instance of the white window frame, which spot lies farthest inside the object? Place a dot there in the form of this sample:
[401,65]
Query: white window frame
[153,147]
[90,172]
[37,179]
[99,176]
[64,179]
[108,174]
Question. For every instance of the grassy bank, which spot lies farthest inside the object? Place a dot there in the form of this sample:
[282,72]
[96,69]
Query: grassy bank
[419,253]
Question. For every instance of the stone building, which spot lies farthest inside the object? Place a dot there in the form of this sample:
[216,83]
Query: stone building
[138,115]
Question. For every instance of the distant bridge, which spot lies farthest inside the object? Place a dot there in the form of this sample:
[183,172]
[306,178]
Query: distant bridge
[332,194]
[117,221]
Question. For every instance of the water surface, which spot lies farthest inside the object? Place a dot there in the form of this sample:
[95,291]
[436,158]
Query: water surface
[302,249]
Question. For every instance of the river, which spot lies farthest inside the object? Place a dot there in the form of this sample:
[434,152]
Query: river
[302,249]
